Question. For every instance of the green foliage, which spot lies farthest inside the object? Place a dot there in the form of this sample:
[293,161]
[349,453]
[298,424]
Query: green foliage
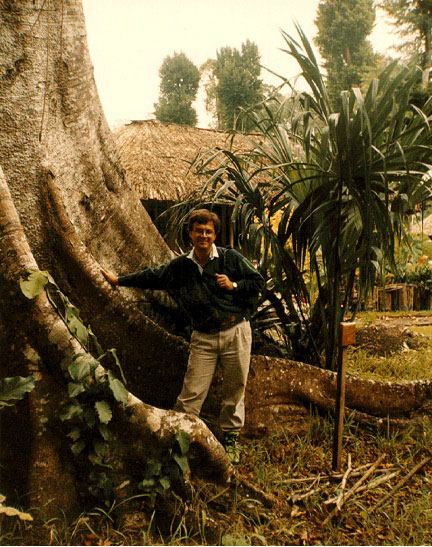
[94,393]
[159,475]
[13,389]
[321,200]
[343,28]
[235,85]
[412,19]
[35,283]
[178,89]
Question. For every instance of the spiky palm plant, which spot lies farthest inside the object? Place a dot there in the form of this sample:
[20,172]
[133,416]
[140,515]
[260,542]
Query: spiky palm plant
[321,200]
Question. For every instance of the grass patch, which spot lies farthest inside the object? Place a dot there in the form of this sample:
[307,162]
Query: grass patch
[406,366]
[296,471]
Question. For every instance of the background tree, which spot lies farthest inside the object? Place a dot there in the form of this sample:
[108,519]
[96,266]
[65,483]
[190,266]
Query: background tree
[178,89]
[343,28]
[413,20]
[234,84]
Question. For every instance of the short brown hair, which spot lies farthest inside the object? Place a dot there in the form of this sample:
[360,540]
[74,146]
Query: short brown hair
[203,216]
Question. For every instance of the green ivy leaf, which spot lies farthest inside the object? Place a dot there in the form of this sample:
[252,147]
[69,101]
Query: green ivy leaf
[77,328]
[183,439]
[34,284]
[71,410]
[147,484]
[113,352]
[165,482]
[16,387]
[81,369]
[100,448]
[104,431]
[104,411]
[182,462]
[118,390]
[75,434]
[75,389]
[90,417]
[78,447]
[94,458]
[153,468]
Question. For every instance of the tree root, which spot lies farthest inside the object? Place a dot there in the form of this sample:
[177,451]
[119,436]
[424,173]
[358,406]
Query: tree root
[145,431]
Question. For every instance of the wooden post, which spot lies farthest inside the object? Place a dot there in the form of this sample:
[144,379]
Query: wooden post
[347,337]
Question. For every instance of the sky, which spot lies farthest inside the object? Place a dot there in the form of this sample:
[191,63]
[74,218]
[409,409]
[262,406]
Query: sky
[128,40]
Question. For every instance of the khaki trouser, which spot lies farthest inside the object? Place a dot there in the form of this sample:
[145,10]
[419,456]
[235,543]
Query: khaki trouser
[232,347]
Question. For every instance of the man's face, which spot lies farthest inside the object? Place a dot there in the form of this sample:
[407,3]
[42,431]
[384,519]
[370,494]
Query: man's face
[203,236]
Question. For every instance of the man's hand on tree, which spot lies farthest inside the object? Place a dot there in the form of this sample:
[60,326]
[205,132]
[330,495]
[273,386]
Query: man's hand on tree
[110,277]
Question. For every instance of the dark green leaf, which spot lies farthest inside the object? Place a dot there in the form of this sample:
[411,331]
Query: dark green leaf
[183,439]
[34,284]
[165,482]
[105,431]
[79,370]
[153,468]
[71,410]
[147,484]
[78,447]
[75,434]
[182,462]
[16,387]
[104,411]
[118,389]
[100,448]
[75,389]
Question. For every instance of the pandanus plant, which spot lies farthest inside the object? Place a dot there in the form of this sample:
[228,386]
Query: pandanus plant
[319,200]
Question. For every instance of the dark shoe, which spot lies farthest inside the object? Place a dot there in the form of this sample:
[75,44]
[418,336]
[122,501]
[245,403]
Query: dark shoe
[232,447]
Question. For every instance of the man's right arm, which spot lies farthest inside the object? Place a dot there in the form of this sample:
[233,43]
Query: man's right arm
[149,278]
[110,277]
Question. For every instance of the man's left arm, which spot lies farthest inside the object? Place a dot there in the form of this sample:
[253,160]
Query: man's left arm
[248,279]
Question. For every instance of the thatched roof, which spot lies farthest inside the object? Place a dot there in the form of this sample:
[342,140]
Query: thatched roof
[154,153]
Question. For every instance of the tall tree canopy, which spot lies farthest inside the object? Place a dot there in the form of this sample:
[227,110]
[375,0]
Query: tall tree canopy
[178,89]
[343,28]
[413,20]
[234,84]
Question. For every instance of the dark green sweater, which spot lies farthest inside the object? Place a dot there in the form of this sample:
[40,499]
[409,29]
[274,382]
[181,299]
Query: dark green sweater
[209,307]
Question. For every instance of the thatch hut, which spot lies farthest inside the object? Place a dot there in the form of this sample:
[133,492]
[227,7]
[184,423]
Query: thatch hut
[155,155]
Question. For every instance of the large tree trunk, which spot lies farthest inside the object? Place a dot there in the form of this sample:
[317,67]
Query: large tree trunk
[76,213]
[139,432]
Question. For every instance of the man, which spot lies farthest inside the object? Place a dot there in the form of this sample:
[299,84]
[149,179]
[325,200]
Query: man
[217,288]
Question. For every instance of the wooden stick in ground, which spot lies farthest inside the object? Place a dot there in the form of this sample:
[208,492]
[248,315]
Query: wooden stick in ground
[400,483]
[347,337]
[354,488]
